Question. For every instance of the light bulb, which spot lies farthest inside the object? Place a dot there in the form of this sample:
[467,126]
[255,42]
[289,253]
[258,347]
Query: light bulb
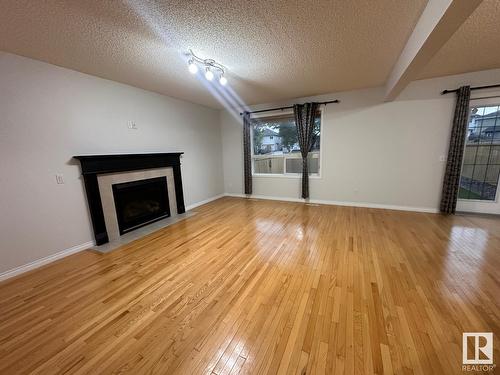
[209,75]
[222,80]
[193,68]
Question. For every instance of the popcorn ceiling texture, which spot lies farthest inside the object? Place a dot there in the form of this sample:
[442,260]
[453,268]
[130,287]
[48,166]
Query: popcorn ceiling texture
[475,46]
[274,50]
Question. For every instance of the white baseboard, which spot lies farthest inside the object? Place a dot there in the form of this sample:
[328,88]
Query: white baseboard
[75,249]
[194,205]
[72,250]
[43,261]
[340,203]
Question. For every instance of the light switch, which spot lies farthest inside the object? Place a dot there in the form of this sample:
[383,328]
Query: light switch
[59,179]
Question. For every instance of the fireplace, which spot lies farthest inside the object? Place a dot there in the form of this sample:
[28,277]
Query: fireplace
[101,172]
[139,203]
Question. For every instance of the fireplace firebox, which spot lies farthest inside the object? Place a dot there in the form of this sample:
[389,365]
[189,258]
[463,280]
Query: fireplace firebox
[141,202]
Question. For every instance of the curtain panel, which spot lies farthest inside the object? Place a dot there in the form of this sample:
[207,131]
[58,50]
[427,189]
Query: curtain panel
[451,182]
[304,121]
[247,153]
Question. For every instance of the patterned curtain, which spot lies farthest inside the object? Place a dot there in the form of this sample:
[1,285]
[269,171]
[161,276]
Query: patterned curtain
[247,153]
[304,121]
[455,152]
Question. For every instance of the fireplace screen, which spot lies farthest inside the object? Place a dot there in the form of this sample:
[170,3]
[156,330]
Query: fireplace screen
[140,202]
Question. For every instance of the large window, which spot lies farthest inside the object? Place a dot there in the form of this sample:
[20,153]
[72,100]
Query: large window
[275,147]
[481,165]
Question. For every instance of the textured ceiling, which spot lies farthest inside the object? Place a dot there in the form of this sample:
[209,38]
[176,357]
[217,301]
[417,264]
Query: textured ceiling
[475,46]
[273,50]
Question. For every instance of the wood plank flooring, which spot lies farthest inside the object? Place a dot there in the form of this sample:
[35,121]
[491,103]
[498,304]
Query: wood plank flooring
[263,287]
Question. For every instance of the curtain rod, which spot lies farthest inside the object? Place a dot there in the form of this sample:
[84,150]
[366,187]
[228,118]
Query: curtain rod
[283,108]
[472,88]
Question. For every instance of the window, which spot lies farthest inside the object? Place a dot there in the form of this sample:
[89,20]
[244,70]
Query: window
[481,165]
[275,146]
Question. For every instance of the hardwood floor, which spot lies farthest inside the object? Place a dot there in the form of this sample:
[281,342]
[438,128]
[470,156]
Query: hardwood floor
[251,287]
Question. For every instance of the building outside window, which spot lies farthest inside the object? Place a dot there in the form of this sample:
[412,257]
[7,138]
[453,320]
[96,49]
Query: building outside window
[275,147]
[481,165]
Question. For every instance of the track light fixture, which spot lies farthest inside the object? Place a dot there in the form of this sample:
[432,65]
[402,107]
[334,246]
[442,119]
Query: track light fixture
[210,66]
[208,74]
[193,68]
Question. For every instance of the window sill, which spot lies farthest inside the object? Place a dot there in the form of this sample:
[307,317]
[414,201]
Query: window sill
[293,176]
[477,200]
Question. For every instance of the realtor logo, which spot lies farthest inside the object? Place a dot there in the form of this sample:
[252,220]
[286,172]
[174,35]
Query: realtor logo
[477,348]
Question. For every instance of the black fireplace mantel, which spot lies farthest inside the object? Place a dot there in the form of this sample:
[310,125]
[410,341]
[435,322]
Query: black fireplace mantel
[94,165]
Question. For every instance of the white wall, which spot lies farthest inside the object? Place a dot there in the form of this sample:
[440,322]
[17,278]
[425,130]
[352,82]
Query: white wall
[374,152]
[48,114]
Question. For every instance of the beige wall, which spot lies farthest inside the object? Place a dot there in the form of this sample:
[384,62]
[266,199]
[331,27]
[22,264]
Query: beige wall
[48,114]
[374,152]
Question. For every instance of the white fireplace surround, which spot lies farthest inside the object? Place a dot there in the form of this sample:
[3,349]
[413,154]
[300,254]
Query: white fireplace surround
[106,181]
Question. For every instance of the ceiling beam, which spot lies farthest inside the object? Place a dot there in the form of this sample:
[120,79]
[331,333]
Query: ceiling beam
[438,22]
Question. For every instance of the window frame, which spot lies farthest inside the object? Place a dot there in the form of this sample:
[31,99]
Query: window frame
[481,102]
[316,176]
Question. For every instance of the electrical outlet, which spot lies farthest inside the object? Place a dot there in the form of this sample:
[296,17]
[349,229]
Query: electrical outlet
[59,179]
[442,158]
[132,125]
